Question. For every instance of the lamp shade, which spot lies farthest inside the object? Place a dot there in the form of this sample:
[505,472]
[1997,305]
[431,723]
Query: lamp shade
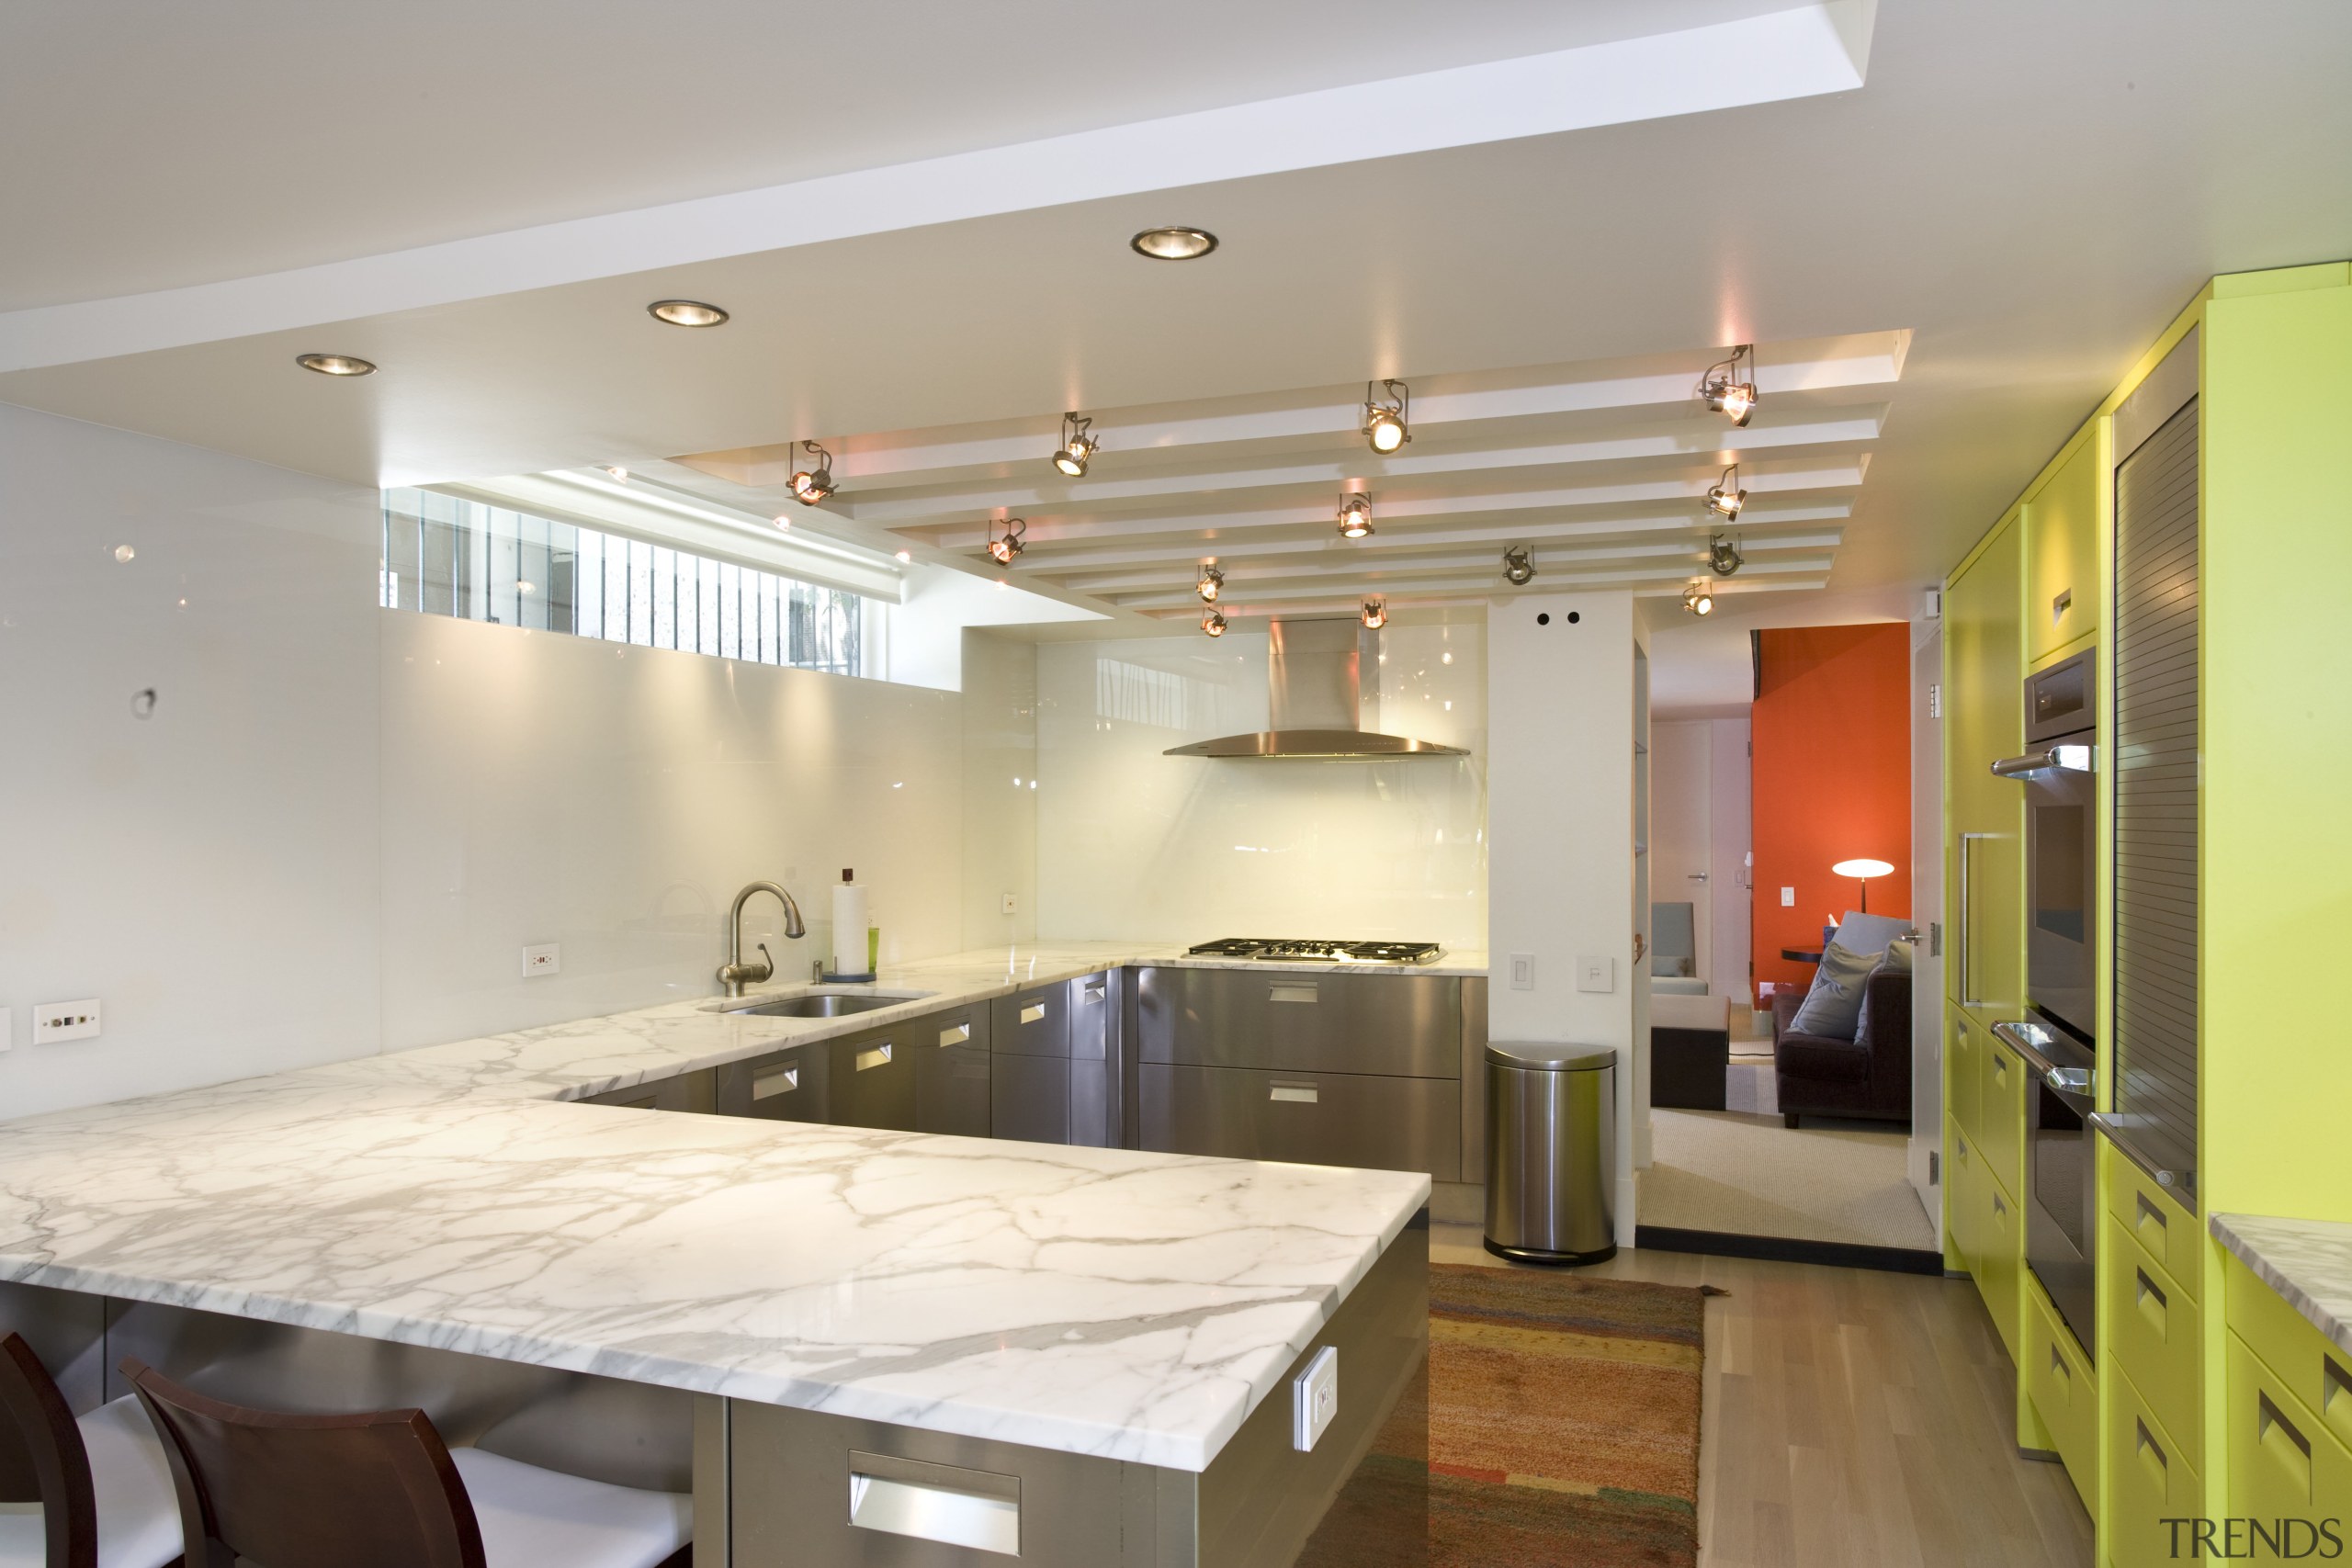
[1861,868]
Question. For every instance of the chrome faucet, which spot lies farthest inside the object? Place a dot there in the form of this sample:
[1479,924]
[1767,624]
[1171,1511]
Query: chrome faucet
[736,974]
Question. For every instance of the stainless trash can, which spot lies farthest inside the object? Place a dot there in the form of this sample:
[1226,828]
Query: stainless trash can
[1551,1151]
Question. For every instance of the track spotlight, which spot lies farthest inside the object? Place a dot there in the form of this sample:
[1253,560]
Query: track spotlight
[1723,557]
[1355,516]
[1376,613]
[1726,390]
[1384,416]
[1213,622]
[1698,599]
[1518,566]
[1724,497]
[1211,585]
[336,364]
[1003,546]
[813,484]
[1076,445]
[687,313]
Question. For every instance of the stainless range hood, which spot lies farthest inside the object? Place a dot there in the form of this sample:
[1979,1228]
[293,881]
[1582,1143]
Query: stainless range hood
[1315,687]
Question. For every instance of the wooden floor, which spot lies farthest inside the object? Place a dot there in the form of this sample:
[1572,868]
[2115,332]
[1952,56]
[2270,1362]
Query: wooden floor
[1853,1418]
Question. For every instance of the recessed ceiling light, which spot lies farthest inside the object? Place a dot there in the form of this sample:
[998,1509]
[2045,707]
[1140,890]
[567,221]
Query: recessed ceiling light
[336,364]
[783,522]
[685,312]
[1176,243]
[620,474]
[1355,516]
[906,555]
[1384,416]
[1076,445]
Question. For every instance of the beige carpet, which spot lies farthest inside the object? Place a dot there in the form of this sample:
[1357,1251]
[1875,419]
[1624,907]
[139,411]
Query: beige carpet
[1721,1170]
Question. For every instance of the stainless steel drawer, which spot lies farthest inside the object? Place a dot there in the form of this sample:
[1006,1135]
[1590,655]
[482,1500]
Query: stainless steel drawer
[952,1071]
[872,1081]
[1379,1123]
[1034,1022]
[784,1085]
[1089,1018]
[1391,1025]
[1029,1098]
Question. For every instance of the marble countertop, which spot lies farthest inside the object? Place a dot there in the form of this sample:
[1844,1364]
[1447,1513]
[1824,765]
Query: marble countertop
[2308,1262]
[1097,1300]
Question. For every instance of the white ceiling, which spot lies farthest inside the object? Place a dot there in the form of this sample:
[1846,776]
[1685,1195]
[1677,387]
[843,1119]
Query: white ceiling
[2029,191]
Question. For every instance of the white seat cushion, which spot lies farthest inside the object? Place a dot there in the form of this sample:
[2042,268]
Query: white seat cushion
[543,1518]
[138,1516]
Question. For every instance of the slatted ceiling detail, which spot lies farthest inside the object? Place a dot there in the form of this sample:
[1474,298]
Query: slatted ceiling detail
[2155,798]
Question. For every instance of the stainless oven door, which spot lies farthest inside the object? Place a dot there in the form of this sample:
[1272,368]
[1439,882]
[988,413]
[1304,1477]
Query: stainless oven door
[2060,869]
[2062,1188]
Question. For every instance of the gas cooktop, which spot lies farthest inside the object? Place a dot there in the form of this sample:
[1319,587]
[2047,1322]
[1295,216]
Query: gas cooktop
[1275,950]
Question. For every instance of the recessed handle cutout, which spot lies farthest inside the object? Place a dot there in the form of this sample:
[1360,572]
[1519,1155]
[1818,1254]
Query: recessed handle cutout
[1032,1012]
[877,1057]
[768,1084]
[974,1508]
[1305,992]
[1294,1094]
[955,1035]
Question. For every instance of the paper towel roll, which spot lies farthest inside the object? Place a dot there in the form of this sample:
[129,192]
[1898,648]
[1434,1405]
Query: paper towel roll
[849,928]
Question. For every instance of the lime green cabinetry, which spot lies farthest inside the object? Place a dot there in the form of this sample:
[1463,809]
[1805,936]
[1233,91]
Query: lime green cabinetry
[2151,1477]
[2063,521]
[1984,816]
[2150,1328]
[2285,1469]
[2063,1387]
[2152,1216]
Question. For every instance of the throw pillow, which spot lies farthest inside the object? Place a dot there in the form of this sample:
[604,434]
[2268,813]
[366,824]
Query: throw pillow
[1898,957]
[1896,961]
[1834,1007]
[1858,933]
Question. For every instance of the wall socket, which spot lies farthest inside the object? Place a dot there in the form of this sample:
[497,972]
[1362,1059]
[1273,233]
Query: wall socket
[55,1022]
[1011,904]
[545,959]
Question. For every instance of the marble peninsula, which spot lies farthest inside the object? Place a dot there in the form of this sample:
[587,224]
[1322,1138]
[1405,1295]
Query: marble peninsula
[981,1307]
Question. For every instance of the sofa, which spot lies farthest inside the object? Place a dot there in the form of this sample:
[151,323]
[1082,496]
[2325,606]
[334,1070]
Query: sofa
[1867,1077]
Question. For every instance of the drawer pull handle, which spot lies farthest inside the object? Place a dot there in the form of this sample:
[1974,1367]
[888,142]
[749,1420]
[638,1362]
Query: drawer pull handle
[972,1508]
[955,1035]
[1294,1094]
[2000,1204]
[2294,1454]
[2150,1450]
[775,1082]
[2058,1368]
[2335,1383]
[1295,993]
[1095,990]
[877,1056]
[2149,1214]
[1032,1012]
[2143,1291]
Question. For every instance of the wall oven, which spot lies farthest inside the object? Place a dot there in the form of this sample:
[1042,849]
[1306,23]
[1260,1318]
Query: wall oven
[2056,1037]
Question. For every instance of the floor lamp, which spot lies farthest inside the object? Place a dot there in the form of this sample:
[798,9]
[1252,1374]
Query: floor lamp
[1861,871]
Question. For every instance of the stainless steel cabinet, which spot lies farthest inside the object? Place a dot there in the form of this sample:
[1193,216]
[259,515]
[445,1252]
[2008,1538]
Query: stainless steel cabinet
[1029,1098]
[872,1081]
[1391,1025]
[1378,1123]
[1031,1022]
[1053,1065]
[952,1071]
[782,1086]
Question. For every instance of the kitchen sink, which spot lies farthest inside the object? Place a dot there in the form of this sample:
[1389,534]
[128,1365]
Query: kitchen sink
[823,1004]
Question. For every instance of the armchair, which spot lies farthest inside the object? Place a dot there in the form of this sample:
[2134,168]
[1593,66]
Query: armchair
[1868,1078]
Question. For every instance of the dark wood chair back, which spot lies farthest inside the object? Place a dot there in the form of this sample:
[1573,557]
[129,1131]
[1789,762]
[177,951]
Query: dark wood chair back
[41,1458]
[375,1490]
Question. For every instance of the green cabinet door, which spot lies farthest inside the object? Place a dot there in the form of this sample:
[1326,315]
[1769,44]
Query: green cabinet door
[2062,533]
[1985,861]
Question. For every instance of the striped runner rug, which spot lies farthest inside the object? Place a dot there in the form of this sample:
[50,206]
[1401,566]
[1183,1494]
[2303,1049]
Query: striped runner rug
[1563,1420]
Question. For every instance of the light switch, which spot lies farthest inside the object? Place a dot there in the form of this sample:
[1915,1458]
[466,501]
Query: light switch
[1788,897]
[545,959]
[1596,974]
[1315,1399]
[1522,971]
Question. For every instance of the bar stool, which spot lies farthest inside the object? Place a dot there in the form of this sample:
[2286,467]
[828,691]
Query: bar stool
[102,1484]
[380,1490]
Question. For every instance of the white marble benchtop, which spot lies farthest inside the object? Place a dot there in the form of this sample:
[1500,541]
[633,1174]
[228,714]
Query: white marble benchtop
[1098,1301]
[2308,1262]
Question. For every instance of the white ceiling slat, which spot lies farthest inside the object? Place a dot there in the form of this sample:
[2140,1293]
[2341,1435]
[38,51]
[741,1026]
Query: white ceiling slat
[1344,603]
[1344,564]
[1477,581]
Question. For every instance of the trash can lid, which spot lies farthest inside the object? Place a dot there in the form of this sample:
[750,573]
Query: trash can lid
[1550,1055]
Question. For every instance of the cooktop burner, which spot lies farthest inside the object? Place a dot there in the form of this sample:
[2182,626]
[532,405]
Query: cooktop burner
[1280,951]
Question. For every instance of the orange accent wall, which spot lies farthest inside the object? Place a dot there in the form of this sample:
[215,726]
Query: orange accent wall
[1830,780]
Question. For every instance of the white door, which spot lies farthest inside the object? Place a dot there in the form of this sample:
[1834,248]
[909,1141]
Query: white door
[1680,830]
[1927,899]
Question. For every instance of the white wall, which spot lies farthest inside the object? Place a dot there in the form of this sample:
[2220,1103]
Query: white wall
[1000,789]
[1560,810]
[1142,846]
[539,787]
[210,873]
[1730,837]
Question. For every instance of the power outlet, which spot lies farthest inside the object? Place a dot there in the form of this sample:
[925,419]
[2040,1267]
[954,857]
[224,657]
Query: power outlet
[56,1022]
[1011,904]
[545,959]
[1315,1399]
